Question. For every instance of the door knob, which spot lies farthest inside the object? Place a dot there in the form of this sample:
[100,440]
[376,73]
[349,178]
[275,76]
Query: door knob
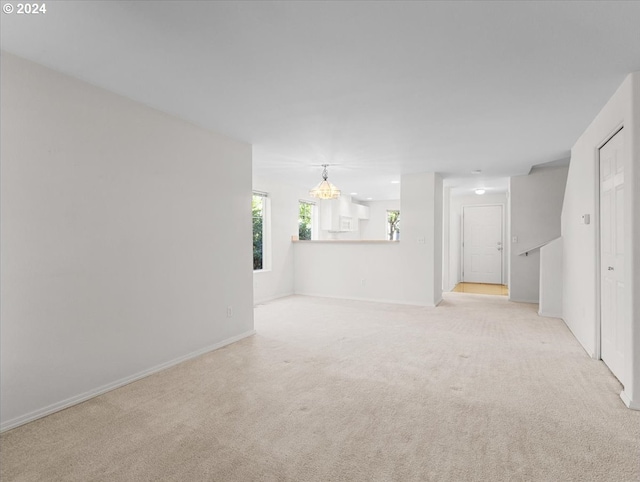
[610,268]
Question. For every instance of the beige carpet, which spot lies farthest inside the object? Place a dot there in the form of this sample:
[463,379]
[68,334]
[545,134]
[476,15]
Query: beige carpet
[478,389]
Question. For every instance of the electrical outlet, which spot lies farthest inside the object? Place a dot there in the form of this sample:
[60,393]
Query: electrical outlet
[229,311]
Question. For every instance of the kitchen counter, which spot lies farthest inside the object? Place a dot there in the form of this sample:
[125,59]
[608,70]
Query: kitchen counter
[345,241]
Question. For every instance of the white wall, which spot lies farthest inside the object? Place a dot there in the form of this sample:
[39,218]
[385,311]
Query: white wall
[408,271]
[126,233]
[436,254]
[551,279]
[446,238]
[421,236]
[277,280]
[535,206]
[376,226]
[581,272]
[456,203]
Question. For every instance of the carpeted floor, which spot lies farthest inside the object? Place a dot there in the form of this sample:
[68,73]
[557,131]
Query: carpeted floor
[478,389]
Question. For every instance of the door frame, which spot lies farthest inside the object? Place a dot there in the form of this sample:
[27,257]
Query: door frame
[598,298]
[502,234]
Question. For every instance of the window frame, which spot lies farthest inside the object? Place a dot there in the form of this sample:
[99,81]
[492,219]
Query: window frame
[313,224]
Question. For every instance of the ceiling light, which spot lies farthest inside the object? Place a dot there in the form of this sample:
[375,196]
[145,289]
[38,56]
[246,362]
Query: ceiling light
[325,190]
[480,192]
[354,193]
[476,171]
[369,198]
[395,182]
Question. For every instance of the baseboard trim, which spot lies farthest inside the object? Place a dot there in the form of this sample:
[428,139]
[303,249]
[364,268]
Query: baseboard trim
[589,350]
[83,397]
[632,404]
[534,302]
[371,300]
[272,298]
[549,315]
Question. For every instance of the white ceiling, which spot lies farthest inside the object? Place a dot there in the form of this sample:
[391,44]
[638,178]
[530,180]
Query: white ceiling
[376,88]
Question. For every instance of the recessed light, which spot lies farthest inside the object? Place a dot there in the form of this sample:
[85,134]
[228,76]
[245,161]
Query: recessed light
[369,198]
[476,171]
[354,193]
[395,182]
[480,192]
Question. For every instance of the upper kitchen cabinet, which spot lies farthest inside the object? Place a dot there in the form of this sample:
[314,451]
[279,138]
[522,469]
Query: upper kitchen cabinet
[341,215]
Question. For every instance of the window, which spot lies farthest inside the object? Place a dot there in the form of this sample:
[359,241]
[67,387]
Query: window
[305,220]
[393,225]
[258,210]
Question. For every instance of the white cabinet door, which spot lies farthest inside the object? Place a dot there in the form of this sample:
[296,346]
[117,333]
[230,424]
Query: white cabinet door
[337,215]
[326,214]
[362,211]
[344,209]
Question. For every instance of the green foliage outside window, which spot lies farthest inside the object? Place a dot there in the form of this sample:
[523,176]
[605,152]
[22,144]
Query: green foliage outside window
[393,225]
[304,220]
[257,209]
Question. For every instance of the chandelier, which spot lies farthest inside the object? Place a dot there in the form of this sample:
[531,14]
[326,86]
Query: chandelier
[325,190]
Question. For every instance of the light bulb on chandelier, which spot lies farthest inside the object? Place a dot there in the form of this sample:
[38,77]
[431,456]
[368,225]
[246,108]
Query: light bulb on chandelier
[325,190]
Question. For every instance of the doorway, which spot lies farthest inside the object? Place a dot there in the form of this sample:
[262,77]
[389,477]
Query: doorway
[482,244]
[612,289]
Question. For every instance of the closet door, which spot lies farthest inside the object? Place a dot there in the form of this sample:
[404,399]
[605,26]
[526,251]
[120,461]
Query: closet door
[612,290]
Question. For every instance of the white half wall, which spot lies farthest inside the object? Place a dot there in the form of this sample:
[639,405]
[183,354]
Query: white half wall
[352,270]
[126,234]
[408,271]
[551,279]
[535,206]
[581,270]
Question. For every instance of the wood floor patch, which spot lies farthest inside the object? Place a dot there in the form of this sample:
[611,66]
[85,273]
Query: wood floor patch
[482,289]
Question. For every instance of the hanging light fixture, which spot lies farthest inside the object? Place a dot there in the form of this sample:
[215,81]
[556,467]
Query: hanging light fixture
[325,190]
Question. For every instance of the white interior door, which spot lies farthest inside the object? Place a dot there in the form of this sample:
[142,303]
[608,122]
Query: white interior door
[482,244]
[612,254]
